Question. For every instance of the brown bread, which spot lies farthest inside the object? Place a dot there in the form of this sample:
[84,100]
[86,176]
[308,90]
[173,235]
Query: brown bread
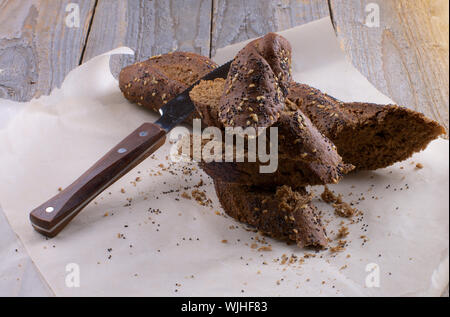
[152,83]
[281,213]
[367,135]
[206,96]
[305,156]
[257,83]
[293,173]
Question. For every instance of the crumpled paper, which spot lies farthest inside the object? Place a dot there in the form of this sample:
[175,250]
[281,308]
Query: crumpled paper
[148,235]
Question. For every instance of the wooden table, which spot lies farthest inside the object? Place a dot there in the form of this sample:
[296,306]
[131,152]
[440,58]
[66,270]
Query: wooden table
[405,57]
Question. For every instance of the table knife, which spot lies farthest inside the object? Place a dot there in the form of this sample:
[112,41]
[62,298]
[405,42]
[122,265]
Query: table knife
[53,215]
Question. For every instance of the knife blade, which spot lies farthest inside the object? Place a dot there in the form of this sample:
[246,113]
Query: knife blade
[52,216]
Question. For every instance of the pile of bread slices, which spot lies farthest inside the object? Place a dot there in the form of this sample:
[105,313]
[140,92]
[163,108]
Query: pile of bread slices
[320,139]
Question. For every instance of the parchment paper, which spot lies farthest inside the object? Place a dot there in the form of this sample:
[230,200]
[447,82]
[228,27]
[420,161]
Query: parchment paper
[142,237]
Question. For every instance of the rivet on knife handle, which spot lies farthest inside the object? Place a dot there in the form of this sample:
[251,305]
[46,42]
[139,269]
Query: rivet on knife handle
[52,216]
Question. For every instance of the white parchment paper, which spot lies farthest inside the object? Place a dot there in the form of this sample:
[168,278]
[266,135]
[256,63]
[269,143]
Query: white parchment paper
[142,237]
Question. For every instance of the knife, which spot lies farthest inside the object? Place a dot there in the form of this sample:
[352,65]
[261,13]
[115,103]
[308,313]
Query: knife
[53,215]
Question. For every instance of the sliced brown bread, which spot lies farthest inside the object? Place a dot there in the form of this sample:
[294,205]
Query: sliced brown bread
[293,173]
[281,213]
[306,157]
[206,96]
[257,83]
[152,83]
[367,135]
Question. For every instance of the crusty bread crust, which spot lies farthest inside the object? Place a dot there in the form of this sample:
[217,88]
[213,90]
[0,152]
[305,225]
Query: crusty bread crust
[306,157]
[257,83]
[367,135]
[281,213]
[293,173]
[154,82]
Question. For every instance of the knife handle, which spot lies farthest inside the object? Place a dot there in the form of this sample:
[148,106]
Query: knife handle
[53,215]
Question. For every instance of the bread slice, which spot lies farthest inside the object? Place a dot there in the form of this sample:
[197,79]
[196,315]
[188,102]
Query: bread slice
[152,83]
[281,213]
[257,83]
[206,96]
[306,157]
[367,135]
[293,173]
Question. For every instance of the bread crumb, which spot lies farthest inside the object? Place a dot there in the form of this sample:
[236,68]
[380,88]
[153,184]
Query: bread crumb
[341,208]
[328,196]
[339,247]
[343,232]
[185,195]
[201,198]
[419,166]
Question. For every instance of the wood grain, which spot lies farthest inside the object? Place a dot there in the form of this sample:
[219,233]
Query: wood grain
[37,49]
[406,57]
[235,21]
[149,28]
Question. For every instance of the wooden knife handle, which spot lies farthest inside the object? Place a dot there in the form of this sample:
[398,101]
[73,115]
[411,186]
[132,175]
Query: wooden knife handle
[53,215]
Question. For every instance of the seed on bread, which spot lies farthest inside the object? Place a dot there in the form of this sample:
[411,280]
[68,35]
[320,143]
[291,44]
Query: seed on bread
[165,75]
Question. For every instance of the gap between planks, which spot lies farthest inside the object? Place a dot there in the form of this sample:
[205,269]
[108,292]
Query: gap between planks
[88,32]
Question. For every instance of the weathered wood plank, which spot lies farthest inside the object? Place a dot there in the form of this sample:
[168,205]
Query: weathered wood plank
[236,21]
[149,28]
[406,57]
[37,48]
